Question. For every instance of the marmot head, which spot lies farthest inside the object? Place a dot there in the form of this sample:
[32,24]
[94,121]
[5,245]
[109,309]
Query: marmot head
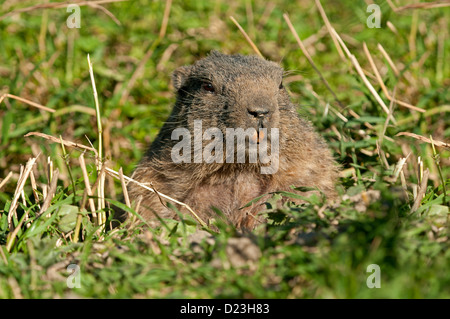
[230,91]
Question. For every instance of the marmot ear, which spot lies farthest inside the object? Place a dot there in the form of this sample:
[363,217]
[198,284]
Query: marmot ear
[180,75]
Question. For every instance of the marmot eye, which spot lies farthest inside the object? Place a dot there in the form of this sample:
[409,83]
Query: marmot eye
[208,87]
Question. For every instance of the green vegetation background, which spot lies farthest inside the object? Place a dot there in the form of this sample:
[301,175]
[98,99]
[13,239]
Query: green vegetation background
[309,251]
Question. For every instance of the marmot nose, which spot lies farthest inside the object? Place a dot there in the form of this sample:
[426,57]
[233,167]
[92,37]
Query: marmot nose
[258,112]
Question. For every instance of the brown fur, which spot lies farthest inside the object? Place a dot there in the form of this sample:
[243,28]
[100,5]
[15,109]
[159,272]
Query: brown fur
[242,86]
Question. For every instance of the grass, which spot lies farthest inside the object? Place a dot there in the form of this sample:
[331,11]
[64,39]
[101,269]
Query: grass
[378,96]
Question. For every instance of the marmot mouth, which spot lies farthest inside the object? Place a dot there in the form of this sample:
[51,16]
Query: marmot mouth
[257,137]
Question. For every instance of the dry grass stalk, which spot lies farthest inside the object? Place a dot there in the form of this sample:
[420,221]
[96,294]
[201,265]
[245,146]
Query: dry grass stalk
[116,175]
[254,47]
[65,142]
[308,57]
[124,188]
[22,196]
[160,67]
[420,170]
[20,185]
[420,5]
[13,234]
[99,158]
[138,204]
[381,137]
[363,77]
[391,111]
[421,191]
[109,181]
[21,99]
[381,154]
[336,132]
[2,254]
[313,38]
[399,167]
[15,288]
[6,179]
[389,60]
[44,190]
[383,87]
[34,188]
[366,124]
[425,139]
[391,27]
[165,21]
[415,117]
[370,87]
[88,186]
[106,11]
[57,5]
[49,170]
[60,112]
[329,27]
[403,182]
[339,114]
[51,192]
